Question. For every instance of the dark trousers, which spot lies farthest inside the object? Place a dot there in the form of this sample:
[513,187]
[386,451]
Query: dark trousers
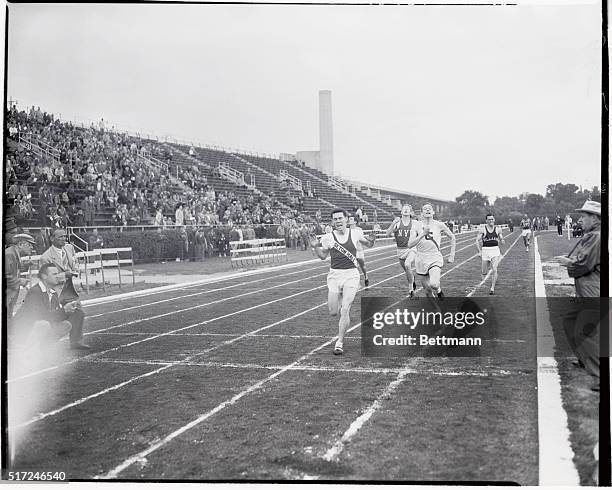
[582,332]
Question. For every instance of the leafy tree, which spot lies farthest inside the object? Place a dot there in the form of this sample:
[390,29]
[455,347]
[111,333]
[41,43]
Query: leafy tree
[471,204]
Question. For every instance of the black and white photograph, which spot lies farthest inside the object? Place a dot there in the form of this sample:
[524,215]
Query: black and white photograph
[340,242]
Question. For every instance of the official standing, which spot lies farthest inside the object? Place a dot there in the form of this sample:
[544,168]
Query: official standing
[12,261]
[583,264]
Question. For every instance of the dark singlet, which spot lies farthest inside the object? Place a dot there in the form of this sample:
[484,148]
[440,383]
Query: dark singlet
[490,238]
[402,234]
[339,260]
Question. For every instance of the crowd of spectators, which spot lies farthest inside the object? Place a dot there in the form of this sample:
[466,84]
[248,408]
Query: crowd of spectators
[89,173]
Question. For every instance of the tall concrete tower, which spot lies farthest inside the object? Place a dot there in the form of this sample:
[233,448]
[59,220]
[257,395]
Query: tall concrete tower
[326,136]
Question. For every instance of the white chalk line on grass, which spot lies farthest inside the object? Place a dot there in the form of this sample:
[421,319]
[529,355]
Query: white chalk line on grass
[218,301]
[333,453]
[51,368]
[274,367]
[153,447]
[201,282]
[208,291]
[42,416]
[556,457]
[337,447]
[164,334]
[377,252]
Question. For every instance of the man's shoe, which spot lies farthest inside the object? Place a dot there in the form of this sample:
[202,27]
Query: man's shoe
[338,351]
[79,346]
[441,295]
[492,292]
[366,281]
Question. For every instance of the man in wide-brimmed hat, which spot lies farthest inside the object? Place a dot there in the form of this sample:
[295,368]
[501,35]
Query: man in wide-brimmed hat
[583,261]
[583,264]
[22,246]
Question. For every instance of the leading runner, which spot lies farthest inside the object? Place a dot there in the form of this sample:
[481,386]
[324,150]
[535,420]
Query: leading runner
[526,233]
[429,260]
[343,276]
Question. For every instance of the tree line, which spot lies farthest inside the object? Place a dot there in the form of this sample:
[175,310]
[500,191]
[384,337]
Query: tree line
[559,200]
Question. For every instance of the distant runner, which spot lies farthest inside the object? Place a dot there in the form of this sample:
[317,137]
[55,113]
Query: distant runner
[526,233]
[488,241]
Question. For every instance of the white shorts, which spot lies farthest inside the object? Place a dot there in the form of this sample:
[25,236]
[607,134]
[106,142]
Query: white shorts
[424,262]
[407,254]
[339,279]
[526,233]
[360,254]
[489,253]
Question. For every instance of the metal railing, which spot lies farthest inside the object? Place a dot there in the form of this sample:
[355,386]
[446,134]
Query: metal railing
[294,181]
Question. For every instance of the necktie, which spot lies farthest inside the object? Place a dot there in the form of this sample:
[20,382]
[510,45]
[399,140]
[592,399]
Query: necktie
[54,300]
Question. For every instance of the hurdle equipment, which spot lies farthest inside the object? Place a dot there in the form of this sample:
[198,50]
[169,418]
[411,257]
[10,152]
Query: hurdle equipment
[257,251]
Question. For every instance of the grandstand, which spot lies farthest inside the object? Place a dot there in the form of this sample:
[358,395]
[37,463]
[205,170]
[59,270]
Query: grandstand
[125,171]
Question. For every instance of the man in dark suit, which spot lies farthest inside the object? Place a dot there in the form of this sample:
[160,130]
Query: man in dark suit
[44,317]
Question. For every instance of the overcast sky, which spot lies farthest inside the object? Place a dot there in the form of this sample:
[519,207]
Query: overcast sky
[433,100]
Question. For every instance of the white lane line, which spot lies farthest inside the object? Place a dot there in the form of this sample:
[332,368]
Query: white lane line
[556,457]
[217,301]
[208,291]
[337,447]
[42,416]
[163,289]
[334,451]
[52,368]
[254,387]
[164,334]
[334,369]
[490,271]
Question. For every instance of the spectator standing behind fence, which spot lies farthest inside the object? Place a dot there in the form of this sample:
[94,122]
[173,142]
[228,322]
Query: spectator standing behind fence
[12,262]
[179,216]
[45,317]
[583,264]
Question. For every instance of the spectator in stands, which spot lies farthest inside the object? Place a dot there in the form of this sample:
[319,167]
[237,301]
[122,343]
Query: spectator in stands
[95,240]
[358,215]
[45,315]
[22,246]
[179,216]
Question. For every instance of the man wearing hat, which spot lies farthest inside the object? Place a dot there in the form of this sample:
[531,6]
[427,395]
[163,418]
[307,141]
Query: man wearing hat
[583,264]
[22,246]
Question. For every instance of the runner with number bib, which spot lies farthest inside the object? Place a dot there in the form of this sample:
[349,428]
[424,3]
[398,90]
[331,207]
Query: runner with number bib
[401,230]
[429,259]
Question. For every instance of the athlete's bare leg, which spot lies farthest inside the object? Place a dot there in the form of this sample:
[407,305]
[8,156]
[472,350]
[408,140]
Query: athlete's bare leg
[434,279]
[494,264]
[348,296]
[426,284]
[409,273]
[334,299]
